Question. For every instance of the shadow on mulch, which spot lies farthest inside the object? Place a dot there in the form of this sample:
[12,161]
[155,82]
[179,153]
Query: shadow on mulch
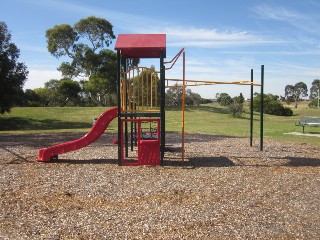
[48,139]
[197,162]
[303,162]
[175,137]
[19,158]
[87,161]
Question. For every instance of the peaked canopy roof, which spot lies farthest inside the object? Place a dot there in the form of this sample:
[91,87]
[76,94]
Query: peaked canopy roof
[141,45]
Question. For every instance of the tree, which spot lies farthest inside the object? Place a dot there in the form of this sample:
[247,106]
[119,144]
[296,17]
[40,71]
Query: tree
[191,98]
[239,99]
[224,99]
[84,43]
[68,91]
[97,88]
[271,105]
[48,97]
[52,84]
[174,96]
[31,98]
[13,74]
[296,92]
[59,93]
[236,106]
[313,103]
[314,90]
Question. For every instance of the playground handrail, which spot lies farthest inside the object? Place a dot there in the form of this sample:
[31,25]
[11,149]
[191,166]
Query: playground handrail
[174,60]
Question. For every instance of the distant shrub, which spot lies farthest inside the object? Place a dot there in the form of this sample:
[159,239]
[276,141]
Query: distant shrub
[313,103]
[236,109]
[205,101]
[271,105]
[224,99]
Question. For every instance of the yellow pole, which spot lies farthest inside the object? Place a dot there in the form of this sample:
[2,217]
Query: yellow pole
[147,80]
[133,91]
[129,95]
[151,90]
[142,90]
[156,91]
[138,82]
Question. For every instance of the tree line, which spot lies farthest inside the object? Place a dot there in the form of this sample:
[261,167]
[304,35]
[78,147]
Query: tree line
[85,46]
[295,93]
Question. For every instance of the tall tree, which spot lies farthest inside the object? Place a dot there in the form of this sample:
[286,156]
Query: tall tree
[83,43]
[31,99]
[69,91]
[174,96]
[224,99]
[314,90]
[13,74]
[296,92]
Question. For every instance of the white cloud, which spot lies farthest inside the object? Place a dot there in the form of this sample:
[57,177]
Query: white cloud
[277,13]
[276,53]
[212,38]
[205,34]
[308,23]
[176,36]
[37,78]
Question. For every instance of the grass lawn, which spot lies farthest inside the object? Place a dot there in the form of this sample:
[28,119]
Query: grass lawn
[52,119]
[209,118]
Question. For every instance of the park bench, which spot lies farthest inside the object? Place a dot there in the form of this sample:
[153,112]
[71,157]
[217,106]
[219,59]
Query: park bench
[309,121]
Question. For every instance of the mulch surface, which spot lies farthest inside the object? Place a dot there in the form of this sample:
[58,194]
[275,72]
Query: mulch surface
[224,189]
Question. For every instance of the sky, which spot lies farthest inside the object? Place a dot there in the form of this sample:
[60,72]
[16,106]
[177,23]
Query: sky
[223,40]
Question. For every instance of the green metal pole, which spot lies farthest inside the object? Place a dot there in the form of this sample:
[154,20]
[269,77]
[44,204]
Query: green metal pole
[318,93]
[119,104]
[261,108]
[251,109]
[162,107]
[125,109]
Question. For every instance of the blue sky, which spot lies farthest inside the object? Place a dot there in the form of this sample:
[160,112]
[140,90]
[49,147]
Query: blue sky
[223,39]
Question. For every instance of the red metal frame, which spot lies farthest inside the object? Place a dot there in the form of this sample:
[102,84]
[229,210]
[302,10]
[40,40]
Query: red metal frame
[141,45]
[148,150]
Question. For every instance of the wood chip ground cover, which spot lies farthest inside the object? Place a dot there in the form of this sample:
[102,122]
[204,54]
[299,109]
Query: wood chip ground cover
[223,190]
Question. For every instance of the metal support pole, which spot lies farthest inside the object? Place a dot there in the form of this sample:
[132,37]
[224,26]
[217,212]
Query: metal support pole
[183,103]
[162,107]
[261,108]
[251,109]
[119,103]
[125,101]
[318,93]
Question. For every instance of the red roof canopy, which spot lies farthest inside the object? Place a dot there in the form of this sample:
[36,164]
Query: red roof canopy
[141,45]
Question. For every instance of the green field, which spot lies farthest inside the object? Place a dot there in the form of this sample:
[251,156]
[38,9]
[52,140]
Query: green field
[210,118]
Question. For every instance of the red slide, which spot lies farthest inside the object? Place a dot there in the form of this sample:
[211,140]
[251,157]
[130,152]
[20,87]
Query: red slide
[47,154]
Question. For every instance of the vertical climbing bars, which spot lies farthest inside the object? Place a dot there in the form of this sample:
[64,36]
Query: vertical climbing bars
[261,108]
[251,108]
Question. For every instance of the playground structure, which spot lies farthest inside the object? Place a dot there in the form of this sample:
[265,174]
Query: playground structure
[141,100]
[141,104]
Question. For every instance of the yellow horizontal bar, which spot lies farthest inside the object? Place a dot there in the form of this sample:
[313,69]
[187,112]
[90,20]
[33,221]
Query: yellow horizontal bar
[208,81]
[140,110]
[135,68]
